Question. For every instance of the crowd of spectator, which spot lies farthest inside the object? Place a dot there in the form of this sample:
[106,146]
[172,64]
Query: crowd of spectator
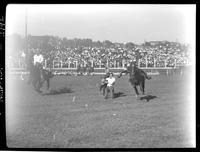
[149,54]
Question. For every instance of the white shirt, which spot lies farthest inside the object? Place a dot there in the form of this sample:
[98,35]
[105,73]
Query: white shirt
[37,58]
[111,81]
[23,55]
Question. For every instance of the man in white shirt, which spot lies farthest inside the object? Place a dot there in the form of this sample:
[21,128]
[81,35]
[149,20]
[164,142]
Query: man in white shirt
[37,61]
[110,85]
[103,81]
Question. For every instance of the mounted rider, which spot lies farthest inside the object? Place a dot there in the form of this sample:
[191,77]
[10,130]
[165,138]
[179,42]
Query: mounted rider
[37,61]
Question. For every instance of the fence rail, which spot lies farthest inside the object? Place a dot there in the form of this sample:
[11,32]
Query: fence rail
[56,64]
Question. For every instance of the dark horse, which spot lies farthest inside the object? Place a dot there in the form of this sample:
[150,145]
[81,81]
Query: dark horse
[137,78]
[35,77]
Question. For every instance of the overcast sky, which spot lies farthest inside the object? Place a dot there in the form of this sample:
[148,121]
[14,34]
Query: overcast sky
[117,23]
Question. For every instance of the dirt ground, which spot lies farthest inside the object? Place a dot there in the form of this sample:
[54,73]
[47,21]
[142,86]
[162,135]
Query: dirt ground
[76,115]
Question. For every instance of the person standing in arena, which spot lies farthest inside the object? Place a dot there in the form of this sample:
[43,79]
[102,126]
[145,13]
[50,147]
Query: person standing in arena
[110,85]
[103,81]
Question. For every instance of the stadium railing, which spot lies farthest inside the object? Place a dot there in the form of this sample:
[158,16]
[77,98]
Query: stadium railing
[72,66]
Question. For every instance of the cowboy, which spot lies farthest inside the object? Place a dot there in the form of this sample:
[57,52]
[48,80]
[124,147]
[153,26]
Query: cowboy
[110,85]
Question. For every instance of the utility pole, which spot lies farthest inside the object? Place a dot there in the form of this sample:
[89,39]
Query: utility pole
[26,41]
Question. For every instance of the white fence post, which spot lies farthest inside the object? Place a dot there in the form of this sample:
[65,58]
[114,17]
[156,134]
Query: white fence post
[92,63]
[69,64]
[146,61]
[175,63]
[187,61]
[19,63]
[154,62]
[84,63]
[45,64]
[139,63]
[76,64]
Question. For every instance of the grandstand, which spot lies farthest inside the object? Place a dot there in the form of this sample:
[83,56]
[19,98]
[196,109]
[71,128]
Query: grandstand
[65,55]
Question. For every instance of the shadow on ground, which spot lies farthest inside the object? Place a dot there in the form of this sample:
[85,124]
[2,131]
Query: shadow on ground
[148,97]
[59,91]
[119,94]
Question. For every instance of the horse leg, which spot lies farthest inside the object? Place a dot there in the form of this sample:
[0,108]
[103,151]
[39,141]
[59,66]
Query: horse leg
[101,87]
[41,80]
[104,89]
[106,92]
[34,84]
[136,90]
[48,84]
[40,83]
[112,92]
[29,79]
[142,85]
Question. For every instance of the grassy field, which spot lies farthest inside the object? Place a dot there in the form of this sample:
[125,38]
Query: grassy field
[75,114]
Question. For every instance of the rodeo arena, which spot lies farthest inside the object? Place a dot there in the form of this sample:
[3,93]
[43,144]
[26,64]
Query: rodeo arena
[80,93]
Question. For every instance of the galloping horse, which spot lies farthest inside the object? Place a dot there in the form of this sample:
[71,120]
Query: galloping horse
[35,77]
[137,78]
